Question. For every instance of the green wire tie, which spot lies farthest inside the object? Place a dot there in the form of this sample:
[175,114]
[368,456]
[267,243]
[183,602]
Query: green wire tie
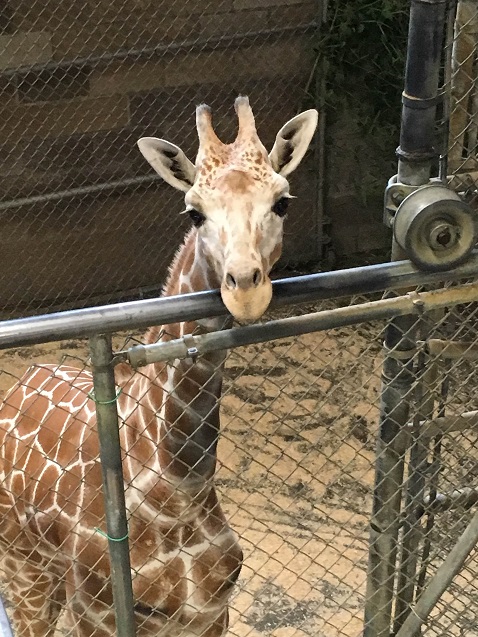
[91,395]
[113,539]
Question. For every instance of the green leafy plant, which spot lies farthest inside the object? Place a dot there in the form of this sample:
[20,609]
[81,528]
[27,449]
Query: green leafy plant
[363,43]
[362,52]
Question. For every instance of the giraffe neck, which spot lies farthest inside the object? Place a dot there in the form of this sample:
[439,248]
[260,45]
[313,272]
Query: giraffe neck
[189,272]
[188,402]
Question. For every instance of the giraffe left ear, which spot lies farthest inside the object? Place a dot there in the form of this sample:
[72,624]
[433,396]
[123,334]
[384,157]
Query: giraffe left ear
[169,162]
[292,142]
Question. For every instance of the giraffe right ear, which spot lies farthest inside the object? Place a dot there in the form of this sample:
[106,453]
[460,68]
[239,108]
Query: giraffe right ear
[292,142]
[169,162]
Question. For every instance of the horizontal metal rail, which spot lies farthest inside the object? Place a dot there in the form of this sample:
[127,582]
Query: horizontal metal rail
[189,307]
[444,425]
[169,48]
[456,350]
[81,191]
[465,498]
[409,304]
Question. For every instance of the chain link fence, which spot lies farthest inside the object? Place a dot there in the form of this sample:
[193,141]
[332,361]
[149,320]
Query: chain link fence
[295,479]
[299,415]
[462,97]
[83,215]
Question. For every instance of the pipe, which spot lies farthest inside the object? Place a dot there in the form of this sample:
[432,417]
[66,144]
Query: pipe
[452,350]
[407,305]
[441,580]
[444,425]
[415,154]
[397,381]
[412,532]
[464,498]
[420,95]
[113,483]
[171,48]
[94,189]
[188,307]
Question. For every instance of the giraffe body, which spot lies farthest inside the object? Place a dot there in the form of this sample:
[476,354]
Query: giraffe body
[184,556]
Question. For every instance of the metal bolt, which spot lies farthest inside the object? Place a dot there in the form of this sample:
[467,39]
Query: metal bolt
[443,236]
[397,196]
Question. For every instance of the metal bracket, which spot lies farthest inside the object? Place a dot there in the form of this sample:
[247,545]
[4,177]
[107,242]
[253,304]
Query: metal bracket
[399,354]
[192,349]
[395,193]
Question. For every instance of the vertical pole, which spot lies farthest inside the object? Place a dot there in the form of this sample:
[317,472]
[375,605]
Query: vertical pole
[319,149]
[433,479]
[442,579]
[397,380]
[412,530]
[416,153]
[105,396]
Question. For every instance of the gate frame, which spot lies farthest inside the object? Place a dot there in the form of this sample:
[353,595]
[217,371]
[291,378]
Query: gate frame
[98,323]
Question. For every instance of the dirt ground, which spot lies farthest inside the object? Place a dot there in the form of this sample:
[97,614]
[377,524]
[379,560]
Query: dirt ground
[296,456]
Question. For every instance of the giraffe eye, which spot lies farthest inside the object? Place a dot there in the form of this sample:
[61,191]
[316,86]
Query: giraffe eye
[280,206]
[196,217]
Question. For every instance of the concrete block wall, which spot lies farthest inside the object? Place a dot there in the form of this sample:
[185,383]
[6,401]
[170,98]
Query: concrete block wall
[70,120]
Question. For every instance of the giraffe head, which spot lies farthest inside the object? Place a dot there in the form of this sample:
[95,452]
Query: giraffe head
[237,195]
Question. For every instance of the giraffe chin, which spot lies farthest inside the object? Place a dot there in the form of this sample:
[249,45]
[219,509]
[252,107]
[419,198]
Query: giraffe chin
[250,304]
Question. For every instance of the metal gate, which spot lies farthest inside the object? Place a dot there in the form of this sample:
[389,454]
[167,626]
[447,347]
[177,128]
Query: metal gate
[296,453]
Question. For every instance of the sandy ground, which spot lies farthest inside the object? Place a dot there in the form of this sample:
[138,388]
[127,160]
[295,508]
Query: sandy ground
[299,422]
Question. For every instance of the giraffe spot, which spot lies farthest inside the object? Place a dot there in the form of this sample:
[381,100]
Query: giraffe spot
[275,254]
[237,181]
[192,535]
[163,588]
[216,570]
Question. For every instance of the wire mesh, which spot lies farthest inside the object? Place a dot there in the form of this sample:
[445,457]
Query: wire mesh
[461,88]
[294,478]
[296,455]
[84,215]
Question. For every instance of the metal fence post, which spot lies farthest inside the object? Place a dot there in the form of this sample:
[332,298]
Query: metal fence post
[412,530]
[105,396]
[416,153]
[397,380]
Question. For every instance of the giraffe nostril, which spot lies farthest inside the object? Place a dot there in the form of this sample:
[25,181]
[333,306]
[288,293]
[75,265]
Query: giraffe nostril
[230,281]
[256,277]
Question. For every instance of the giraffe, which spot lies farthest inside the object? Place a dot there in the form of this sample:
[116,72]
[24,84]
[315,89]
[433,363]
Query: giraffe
[185,558]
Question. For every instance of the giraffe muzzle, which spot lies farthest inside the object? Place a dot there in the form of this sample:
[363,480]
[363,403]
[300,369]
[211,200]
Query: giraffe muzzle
[246,294]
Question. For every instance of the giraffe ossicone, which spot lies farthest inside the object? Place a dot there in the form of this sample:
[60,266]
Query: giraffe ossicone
[184,556]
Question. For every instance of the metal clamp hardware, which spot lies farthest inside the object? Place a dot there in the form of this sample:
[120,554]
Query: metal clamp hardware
[192,350]
[417,301]
[420,102]
[395,193]
[399,354]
